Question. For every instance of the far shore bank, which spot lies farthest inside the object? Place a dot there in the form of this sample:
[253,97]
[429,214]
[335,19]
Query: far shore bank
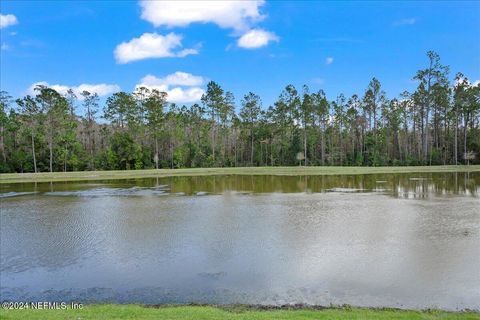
[287,171]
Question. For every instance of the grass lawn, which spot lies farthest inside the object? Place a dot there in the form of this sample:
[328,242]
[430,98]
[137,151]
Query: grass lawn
[234,313]
[130,174]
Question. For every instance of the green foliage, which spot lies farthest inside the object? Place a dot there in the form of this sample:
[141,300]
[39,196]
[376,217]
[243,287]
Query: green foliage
[233,312]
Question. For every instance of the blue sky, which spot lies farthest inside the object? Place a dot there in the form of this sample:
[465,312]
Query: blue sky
[244,46]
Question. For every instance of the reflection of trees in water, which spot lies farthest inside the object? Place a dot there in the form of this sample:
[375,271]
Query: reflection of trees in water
[405,185]
[398,185]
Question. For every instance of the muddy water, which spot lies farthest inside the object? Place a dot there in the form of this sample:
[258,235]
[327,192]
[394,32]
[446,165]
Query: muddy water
[408,240]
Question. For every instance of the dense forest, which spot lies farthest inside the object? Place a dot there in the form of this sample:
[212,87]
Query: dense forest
[436,124]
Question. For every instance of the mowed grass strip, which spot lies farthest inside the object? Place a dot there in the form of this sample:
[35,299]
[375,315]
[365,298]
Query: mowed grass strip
[112,311]
[288,171]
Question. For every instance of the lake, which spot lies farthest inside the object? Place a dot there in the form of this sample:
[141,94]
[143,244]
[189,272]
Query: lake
[396,240]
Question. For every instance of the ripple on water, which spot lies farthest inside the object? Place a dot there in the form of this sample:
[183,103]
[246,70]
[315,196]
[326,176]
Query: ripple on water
[347,190]
[15,194]
[112,192]
[256,240]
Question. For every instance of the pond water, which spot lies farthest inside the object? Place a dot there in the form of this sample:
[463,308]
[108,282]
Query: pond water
[403,240]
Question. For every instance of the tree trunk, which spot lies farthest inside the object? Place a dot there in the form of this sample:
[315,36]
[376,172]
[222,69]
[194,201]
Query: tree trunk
[50,146]
[323,146]
[305,143]
[251,152]
[213,137]
[171,152]
[2,145]
[235,146]
[65,160]
[33,154]
[425,136]
[456,136]
[465,121]
[156,153]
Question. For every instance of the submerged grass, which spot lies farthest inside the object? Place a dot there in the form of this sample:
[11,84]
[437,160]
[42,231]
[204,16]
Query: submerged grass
[289,171]
[117,311]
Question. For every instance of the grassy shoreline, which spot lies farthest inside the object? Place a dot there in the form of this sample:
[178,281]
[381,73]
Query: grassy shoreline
[291,171]
[132,311]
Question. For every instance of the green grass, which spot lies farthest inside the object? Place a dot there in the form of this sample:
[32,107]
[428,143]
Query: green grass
[292,171]
[110,311]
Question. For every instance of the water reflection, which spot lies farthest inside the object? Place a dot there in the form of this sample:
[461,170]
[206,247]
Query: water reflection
[412,186]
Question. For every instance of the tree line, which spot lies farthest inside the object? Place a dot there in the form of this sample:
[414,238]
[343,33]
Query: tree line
[436,124]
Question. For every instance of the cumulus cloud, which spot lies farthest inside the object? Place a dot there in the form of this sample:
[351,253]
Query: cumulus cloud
[178,78]
[151,45]
[181,87]
[101,89]
[329,60]
[7,20]
[184,95]
[4,47]
[256,38]
[238,15]
[405,22]
[186,52]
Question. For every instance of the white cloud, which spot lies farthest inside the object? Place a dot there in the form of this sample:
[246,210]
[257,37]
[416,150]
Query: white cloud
[238,15]
[182,95]
[151,45]
[256,38]
[186,52]
[101,89]
[181,87]
[329,60]
[405,22]
[151,82]
[7,20]
[177,79]
[57,87]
